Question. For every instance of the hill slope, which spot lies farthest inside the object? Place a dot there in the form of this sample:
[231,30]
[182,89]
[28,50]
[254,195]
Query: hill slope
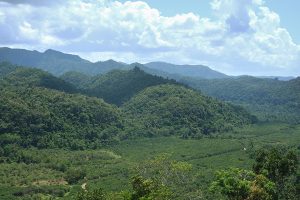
[117,86]
[47,118]
[37,78]
[270,99]
[175,110]
[6,68]
[36,111]
[77,79]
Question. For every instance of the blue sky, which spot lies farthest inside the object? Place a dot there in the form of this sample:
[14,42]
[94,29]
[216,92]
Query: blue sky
[255,37]
[289,10]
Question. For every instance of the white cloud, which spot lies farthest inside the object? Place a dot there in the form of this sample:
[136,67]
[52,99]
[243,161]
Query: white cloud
[244,36]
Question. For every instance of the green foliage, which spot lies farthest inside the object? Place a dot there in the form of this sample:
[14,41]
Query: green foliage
[77,79]
[238,184]
[148,190]
[6,68]
[276,163]
[112,167]
[279,165]
[73,175]
[30,77]
[46,118]
[176,110]
[35,113]
[119,86]
[35,192]
[96,194]
[164,178]
[269,99]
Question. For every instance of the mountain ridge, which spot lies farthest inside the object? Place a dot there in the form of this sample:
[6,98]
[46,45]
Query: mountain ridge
[58,63]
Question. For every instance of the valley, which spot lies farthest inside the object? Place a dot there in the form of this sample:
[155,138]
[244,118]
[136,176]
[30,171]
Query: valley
[112,167]
[136,133]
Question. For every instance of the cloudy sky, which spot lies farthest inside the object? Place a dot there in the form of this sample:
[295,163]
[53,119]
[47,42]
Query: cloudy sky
[257,37]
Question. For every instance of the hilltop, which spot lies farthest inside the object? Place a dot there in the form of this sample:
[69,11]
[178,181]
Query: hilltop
[176,110]
[59,63]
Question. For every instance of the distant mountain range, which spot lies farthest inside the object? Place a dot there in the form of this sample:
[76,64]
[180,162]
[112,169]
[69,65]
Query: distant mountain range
[56,62]
[186,70]
[59,63]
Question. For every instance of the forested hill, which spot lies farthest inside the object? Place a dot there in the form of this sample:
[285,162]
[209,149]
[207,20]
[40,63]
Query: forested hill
[117,86]
[30,77]
[174,109]
[270,99]
[40,110]
[37,109]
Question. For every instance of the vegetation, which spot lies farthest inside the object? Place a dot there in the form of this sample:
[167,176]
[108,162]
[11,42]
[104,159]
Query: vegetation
[77,79]
[118,86]
[38,109]
[29,77]
[280,166]
[58,142]
[47,118]
[269,99]
[170,109]
[238,184]
[42,171]
[6,68]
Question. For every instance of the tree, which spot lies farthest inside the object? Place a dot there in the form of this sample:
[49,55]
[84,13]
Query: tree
[239,184]
[166,177]
[74,175]
[147,189]
[96,194]
[280,165]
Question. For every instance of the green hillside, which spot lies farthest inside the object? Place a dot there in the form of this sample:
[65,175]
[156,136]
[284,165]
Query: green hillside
[118,86]
[176,110]
[37,78]
[269,99]
[38,109]
[47,118]
[6,68]
[77,79]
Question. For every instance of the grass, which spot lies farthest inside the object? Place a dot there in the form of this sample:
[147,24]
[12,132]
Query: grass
[112,168]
